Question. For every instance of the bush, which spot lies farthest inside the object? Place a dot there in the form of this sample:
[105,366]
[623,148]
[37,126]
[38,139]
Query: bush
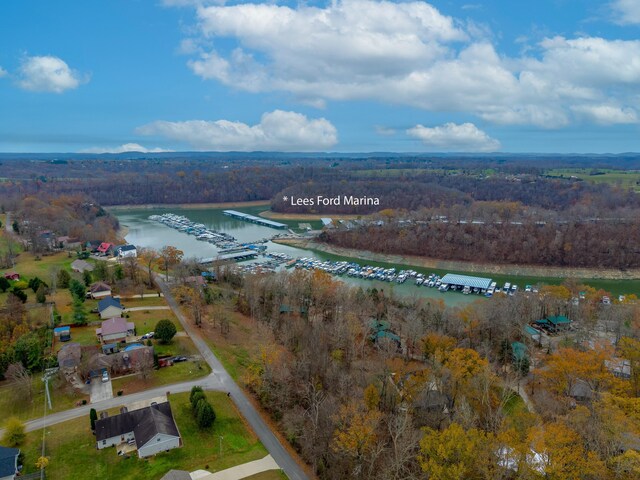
[205,415]
[22,296]
[78,290]
[14,433]
[93,416]
[20,285]
[194,390]
[41,294]
[195,400]
[165,331]
[63,278]
[4,284]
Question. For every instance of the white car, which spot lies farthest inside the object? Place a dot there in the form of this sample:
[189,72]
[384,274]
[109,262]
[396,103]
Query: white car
[105,376]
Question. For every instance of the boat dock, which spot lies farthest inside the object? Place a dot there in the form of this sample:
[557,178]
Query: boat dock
[253,219]
[233,256]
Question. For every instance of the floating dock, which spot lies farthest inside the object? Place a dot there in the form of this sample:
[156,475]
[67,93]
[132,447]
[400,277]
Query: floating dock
[253,219]
[234,256]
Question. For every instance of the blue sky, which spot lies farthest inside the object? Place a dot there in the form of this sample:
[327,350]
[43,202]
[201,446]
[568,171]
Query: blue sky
[349,75]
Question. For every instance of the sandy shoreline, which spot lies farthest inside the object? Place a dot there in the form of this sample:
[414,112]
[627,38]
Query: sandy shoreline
[519,270]
[150,206]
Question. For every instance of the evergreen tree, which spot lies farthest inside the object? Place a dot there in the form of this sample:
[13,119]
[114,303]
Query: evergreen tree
[205,415]
[63,278]
[93,416]
[41,294]
[86,277]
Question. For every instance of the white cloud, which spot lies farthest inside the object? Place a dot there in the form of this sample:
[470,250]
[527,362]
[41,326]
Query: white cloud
[384,131]
[127,147]
[277,131]
[626,12]
[3,72]
[47,74]
[451,137]
[607,114]
[409,53]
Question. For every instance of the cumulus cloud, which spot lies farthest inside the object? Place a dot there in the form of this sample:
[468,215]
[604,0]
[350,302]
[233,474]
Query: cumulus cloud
[127,147]
[47,74]
[626,12]
[452,137]
[411,54]
[607,114]
[277,131]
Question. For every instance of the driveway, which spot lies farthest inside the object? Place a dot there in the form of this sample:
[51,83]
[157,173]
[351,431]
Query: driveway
[100,390]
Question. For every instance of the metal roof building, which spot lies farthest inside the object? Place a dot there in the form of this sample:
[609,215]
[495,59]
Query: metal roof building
[253,219]
[466,280]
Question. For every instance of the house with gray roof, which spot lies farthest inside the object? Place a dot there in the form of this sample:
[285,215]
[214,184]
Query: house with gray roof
[150,429]
[8,463]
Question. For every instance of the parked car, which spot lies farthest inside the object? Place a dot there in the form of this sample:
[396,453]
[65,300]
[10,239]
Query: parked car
[180,359]
[105,376]
[147,335]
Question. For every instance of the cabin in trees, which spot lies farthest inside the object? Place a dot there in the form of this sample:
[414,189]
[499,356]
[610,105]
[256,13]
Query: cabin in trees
[110,307]
[99,290]
[149,430]
[115,329]
[554,324]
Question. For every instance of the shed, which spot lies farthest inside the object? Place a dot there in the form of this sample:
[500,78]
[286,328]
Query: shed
[466,281]
[63,333]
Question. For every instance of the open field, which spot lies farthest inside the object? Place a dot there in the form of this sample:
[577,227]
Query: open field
[72,452]
[623,178]
[62,398]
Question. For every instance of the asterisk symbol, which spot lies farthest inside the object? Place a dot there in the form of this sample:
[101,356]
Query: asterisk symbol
[285,198]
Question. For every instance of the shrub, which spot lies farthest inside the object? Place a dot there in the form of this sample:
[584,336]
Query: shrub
[197,397]
[194,390]
[165,331]
[14,433]
[205,415]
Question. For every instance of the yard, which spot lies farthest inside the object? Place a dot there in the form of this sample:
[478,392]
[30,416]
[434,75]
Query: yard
[62,398]
[72,453]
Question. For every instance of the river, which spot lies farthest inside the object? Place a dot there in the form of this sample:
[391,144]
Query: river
[143,232]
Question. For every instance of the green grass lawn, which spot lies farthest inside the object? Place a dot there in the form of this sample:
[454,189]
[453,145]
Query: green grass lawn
[624,178]
[72,454]
[268,475]
[62,398]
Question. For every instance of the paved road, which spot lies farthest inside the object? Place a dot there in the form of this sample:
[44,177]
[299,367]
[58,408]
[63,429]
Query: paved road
[141,309]
[208,383]
[262,430]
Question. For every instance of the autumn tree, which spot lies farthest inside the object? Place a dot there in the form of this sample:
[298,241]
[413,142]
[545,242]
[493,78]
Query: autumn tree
[14,432]
[22,384]
[456,454]
[630,351]
[168,257]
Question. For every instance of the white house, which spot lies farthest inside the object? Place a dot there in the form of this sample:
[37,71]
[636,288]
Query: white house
[151,429]
[124,251]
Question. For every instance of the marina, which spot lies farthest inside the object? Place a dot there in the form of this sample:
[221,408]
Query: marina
[253,219]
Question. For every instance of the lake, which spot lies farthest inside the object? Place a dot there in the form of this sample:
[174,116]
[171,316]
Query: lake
[148,233]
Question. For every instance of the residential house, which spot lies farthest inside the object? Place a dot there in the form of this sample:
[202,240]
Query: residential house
[104,248]
[110,307]
[92,245]
[620,367]
[115,329]
[124,251]
[12,276]
[554,323]
[69,356]
[9,463]
[99,290]
[82,266]
[150,429]
[134,358]
[67,242]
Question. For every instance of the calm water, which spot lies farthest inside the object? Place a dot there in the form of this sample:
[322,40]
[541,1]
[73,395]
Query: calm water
[148,233]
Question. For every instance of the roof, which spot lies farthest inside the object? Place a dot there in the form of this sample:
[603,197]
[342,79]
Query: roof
[109,302]
[69,355]
[99,287]
[8,461]
[531,331]
[560,319]
[104,246]
[326,221]
[466,281]
[519,351]
[116,325]
[145,423]
[176,475]
[125,248]
[82,265]
[253,218]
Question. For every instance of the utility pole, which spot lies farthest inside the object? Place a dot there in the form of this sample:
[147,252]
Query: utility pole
[220,437]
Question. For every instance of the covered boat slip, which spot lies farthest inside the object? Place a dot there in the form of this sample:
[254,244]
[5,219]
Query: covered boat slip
[253,219]
[453,279]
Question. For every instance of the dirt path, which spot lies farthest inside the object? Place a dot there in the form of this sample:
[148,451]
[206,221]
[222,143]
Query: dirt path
[519,270]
